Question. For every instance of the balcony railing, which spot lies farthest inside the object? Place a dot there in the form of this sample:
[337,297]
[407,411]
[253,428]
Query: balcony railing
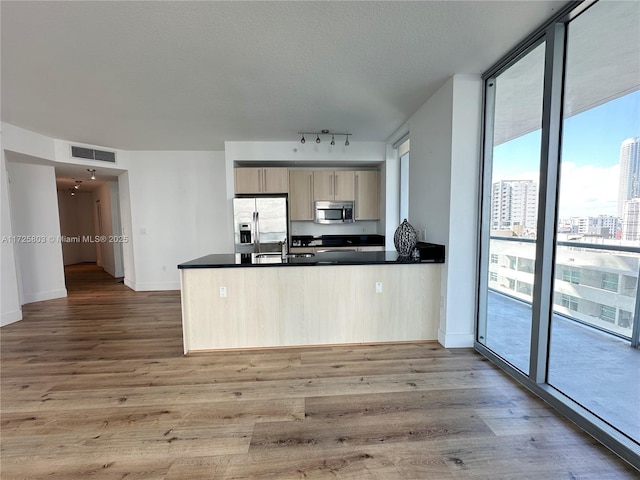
[595,284]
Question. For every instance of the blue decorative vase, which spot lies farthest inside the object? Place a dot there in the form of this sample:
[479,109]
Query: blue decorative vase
[405,239]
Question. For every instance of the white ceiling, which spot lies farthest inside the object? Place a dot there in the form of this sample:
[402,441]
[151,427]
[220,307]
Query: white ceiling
[189,75]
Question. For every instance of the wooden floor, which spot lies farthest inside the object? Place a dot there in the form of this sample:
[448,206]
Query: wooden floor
[96,386]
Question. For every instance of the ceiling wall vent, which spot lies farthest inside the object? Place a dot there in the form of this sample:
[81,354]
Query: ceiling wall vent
[89,153]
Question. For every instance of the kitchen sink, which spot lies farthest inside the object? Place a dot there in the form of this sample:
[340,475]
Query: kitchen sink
[290,255]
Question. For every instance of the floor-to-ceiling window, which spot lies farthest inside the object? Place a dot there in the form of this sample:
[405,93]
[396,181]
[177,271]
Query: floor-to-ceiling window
[596,255]
[515,94]
[560,239]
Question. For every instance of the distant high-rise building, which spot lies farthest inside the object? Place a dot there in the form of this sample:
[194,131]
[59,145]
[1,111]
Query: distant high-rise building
[606,226]
[629,172]
[514,203]
[631,220]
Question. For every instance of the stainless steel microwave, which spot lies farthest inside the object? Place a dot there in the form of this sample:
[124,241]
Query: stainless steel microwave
[333,212]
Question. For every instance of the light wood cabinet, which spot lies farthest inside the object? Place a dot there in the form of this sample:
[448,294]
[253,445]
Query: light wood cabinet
[336,185]
[261,180]
[367,195]
[301,195]
[355,314]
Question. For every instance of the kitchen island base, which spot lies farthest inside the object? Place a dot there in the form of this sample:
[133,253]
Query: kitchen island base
[309,305]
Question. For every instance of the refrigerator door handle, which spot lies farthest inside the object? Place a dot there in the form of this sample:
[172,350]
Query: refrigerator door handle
[257,227]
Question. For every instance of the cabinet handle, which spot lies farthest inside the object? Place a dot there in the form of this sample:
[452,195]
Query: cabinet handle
[355,203]
[264,180]
[260,189]
[310,203]
[335,183]
[331,185]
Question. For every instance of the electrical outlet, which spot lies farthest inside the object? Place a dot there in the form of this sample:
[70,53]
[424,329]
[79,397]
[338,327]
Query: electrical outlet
[378,287]
[223,292]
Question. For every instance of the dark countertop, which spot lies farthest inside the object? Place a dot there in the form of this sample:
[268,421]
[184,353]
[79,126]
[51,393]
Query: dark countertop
[324,258]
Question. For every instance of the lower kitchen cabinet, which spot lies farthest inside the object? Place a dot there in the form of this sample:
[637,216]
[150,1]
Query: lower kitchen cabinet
[289,305]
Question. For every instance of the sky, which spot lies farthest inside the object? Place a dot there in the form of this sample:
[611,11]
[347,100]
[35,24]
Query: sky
[589,174]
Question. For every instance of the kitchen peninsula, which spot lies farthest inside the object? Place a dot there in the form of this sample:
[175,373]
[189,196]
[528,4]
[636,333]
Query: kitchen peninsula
[252,300]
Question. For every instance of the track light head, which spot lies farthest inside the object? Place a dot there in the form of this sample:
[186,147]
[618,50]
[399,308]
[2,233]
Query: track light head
[346,143]
[317,138]
[303,140]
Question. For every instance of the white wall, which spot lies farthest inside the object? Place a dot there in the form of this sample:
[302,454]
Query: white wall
[34,212]
[26,142]
[178,213]
[76,219]
[461,274]
[10,300]
[128,263]
[430,165]
[443,198]
[30,143]
[109,253]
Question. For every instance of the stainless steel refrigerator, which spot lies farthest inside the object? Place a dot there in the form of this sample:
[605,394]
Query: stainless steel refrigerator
[260,223]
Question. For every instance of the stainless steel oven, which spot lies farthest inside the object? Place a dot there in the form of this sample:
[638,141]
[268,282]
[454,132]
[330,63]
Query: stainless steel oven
[333,212]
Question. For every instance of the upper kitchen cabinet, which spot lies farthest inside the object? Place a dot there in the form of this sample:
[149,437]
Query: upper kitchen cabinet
[367,196]
[301,195]
[261,180]
[334,185]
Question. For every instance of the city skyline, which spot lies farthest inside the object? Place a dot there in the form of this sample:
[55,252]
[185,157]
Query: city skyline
[591,143]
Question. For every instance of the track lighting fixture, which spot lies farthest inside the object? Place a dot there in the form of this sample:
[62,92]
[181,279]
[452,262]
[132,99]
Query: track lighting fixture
[92,171]
[73,192]
[77,185]
[325,132]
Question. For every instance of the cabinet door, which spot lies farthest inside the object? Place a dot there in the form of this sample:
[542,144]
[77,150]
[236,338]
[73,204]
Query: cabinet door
[248,180]
[275,180]
[323,182]
[367,185]
[343,185]
[301,195]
